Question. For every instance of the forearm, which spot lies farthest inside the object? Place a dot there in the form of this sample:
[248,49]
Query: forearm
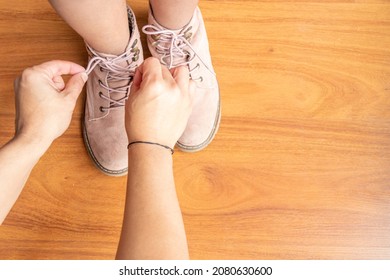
[17,159]
[153,225]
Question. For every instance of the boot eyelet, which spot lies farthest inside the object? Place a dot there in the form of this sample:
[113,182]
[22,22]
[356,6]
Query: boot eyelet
[101,69]
[100,83]
[187,30]
[156,37]
[187,55]
[135,50]
[201,79]
[102,109]
[100,94]
[188,35]
[135,43]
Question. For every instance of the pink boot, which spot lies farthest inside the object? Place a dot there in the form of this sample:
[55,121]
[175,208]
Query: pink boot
[108,87]
[189,46]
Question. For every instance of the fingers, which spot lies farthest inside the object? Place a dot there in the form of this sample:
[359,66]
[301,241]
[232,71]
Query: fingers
[166,74]
[59,82]
[181,75]
[75,85]
[59,67]
[137,79]
[151,69]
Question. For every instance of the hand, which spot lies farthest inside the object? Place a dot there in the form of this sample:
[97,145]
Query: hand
[159,104]
[44,103]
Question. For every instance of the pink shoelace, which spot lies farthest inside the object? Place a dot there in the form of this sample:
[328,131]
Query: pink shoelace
[116,73]
[173,48]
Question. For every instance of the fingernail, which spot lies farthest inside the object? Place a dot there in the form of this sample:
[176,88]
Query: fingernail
[84,76]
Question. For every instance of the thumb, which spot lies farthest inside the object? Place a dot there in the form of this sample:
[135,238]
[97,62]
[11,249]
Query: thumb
[137,80]
[75,85]
[181,76]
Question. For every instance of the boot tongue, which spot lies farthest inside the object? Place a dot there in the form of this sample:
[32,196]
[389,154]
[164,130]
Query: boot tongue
[117,71]
[118,78]
[172,42]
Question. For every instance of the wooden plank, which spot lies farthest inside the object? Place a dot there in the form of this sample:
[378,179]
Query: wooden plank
[300,168]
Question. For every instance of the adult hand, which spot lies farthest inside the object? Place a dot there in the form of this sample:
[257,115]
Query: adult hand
[44,103]
[44,107]
[159,104]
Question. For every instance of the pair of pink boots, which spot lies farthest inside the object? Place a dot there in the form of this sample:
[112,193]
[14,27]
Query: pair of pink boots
[109,85]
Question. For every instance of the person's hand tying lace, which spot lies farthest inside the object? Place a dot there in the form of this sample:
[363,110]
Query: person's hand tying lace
[44,103]
[160,103]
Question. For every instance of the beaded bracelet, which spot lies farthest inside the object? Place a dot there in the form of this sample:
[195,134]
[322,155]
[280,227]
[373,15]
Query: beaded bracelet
[151,143]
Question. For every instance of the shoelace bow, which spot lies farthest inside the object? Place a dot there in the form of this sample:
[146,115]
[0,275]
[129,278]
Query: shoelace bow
[116,73]
[171,45]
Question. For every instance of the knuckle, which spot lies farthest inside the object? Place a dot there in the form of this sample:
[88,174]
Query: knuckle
[174,89]
[151,61]
[183,69]
[155,84]
[28,75]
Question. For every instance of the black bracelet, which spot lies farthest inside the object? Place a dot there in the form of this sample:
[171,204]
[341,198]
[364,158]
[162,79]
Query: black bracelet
[151,143]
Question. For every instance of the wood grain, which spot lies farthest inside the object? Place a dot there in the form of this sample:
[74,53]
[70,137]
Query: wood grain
[300,168]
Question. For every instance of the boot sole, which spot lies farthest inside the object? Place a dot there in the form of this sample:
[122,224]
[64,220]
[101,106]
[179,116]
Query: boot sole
[197,148]
[115,173]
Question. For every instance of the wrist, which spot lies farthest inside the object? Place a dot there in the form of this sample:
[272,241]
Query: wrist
[151,143]
[144,149]
[37,146]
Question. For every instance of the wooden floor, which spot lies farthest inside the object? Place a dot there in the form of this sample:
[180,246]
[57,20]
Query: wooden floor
[300,168]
